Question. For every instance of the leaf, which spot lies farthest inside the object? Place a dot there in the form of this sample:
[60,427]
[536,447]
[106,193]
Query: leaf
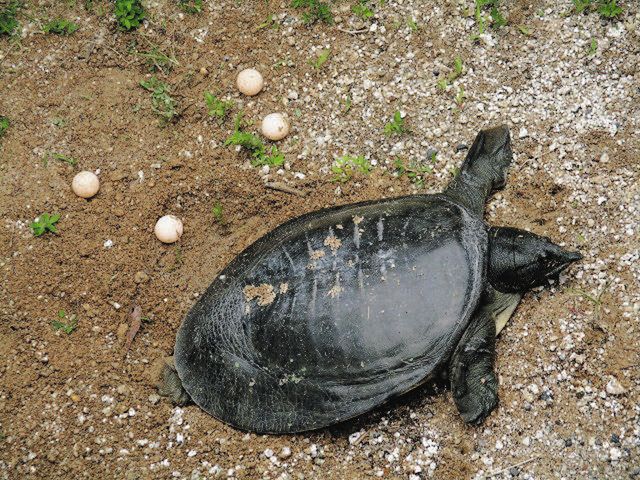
[136,322]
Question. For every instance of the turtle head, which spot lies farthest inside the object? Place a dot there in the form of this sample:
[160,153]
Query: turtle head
[521,260]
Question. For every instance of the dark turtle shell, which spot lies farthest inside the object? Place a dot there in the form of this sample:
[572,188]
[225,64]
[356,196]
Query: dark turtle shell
[332,313]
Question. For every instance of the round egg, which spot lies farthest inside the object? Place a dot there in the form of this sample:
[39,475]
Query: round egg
[168,229]
[85,184]
[275,126]
[250,81]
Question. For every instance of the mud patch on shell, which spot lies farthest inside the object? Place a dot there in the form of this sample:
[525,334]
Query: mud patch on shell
[316,254]
[264,293]
[357,219]
[284,287]
[333,243]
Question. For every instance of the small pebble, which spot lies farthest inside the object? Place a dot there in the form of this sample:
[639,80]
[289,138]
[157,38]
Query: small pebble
[85,184]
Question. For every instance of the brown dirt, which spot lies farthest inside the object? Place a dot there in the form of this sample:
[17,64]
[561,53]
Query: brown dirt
[77,406]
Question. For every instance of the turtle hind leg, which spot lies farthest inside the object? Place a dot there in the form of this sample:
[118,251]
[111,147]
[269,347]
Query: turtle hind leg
[473,382]
[483,170]
[169,384]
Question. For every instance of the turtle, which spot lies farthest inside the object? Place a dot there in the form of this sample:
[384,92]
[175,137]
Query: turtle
[336,312]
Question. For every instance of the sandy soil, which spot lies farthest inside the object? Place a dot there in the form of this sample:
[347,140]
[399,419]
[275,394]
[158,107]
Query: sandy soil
[79,405]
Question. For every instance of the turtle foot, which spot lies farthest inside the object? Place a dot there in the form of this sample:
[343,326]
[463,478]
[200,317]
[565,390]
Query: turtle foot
[479,399]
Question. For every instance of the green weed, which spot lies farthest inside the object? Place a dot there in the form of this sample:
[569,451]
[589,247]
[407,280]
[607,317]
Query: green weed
[60,26]
[497,20]
[44,223]
[270,22]
[4,125]
[60,157]
[460,96]
[129,14]
[314,11]
[218,213]
[216,107]
[414,171]
[8,20]
[458,69]
[593,47]
[162,103]
[190,6]
[361,9]
[606,8]
[322,58]
[158,61]
[66,327]
[524,30]
[396,125]
[413,26]
[345,167]
[259,153]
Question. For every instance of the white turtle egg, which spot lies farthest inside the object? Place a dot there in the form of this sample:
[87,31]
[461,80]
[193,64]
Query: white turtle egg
[85,184]
[275,126]
[168,229]
[250,81]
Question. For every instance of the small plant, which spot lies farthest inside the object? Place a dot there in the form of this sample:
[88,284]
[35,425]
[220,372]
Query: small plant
[396,125]
[217,212]
[413,26]
[4,125]
[609,9]
[8,21]
[345,167]
[270,22]
[129,14]
[361,9]
[458,69]
[259,153]
[60,157]
[158,61]
[414,171]
[162,103]
[347,105]
[322,58]
[60,26]
[44,223]
[524,30]
[216,107]
[593,47]
[606,8]
[315,11]
[497,20]
[190,6]
[460,96]
[67,327]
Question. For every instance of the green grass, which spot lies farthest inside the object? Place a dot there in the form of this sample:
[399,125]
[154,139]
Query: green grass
[4,125]
[129,14]
[525,30]
[460,96]
[44,223]
[593,47]
[321,59]
[67,327]
[158,61]
[314,11]
[345,167]
[415,172]
[270,22]
[8,20]
[60,26]
[162,103]
[413,26]
[216,107]
[260,154]
[190,6]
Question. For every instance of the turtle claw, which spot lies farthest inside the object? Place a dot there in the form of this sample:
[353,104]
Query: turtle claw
[479,399]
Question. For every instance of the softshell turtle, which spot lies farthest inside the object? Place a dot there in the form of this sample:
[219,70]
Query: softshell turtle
[335,312]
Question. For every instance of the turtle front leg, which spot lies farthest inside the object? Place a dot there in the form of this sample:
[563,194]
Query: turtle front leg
[473,382]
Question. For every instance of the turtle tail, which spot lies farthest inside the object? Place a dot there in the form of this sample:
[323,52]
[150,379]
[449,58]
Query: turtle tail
[169,384]
[484,170]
